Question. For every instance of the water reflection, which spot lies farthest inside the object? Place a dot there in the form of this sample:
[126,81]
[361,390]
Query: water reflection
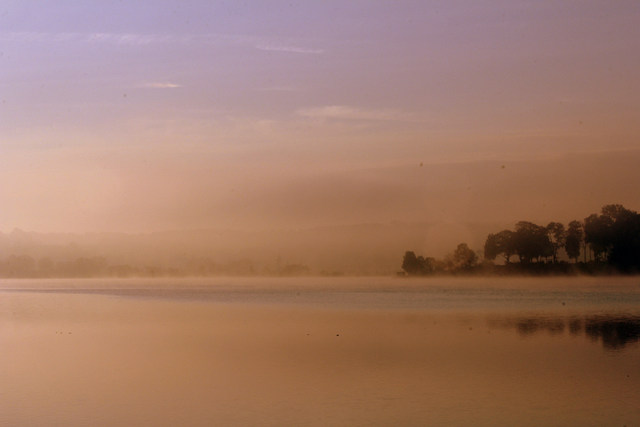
[614,331]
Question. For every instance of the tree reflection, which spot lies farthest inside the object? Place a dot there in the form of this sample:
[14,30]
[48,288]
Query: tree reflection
[613,331]
[531,326]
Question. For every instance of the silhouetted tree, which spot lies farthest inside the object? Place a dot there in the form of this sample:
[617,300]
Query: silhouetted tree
[614,211]
[464,258]
[418,265]
[573,240]
[501,243]
[557,237]
[491,247]
[624,247]
[410,263]
[614,237]
[597,234]
[429,265]
[531,241]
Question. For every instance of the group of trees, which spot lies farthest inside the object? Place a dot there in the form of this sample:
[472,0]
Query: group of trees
[531,242]
[609,240]
[611,237]
[463,259]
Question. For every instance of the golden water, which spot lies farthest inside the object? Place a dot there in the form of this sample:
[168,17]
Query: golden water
[319,352]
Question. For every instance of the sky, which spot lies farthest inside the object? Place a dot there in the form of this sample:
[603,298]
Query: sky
[144,116]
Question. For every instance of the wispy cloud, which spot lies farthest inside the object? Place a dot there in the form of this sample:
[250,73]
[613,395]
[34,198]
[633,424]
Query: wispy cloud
[116,38]
[160,85]
[138,39]
[133,38]
[288,49]
[343,112]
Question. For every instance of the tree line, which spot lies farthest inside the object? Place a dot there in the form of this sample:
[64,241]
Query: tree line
[607,242]
[25,266]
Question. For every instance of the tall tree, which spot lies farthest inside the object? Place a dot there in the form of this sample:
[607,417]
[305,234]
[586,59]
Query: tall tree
[597,233]
[614,236]
[624,251]
[573,240]
[557,237]
[491,247]
[501,243]
[410,263]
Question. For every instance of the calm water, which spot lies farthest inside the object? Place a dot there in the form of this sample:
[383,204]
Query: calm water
[320,352]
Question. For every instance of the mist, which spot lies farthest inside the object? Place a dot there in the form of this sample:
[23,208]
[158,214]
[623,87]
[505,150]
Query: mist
[357,221]
[304,134]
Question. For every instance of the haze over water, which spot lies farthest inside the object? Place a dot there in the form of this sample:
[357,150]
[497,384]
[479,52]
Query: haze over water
[320,352]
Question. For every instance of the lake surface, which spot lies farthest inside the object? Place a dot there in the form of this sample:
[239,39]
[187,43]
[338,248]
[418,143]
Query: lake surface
[335,351]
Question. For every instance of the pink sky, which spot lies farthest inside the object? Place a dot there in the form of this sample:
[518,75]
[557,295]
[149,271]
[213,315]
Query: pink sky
[158,115]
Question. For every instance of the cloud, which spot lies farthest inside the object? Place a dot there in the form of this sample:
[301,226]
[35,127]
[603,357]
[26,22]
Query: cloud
[131,38]
[116,38]
[343,112]
[289,49]
[140,39]
[160,85]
